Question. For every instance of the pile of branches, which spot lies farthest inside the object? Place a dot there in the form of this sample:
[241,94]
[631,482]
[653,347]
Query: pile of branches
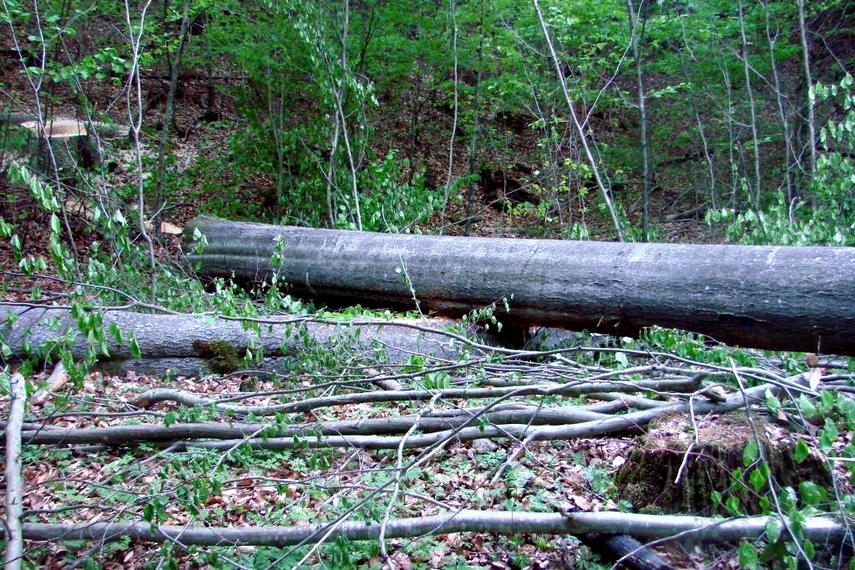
[420,413]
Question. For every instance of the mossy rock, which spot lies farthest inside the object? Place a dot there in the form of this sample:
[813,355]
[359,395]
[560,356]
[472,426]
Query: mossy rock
[647,479]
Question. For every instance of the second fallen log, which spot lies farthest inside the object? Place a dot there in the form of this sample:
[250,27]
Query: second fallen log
[782,298]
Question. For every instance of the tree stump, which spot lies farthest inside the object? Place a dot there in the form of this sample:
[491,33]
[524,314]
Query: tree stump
[63,147]
[647,479]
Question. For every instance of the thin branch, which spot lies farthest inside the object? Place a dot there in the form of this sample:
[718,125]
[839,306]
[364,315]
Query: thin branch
[14,484]
[155,396]
[592,162]
[631,422]
[700,529]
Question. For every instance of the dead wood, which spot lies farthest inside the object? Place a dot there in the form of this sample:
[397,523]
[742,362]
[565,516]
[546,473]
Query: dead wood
[681,461]
[14,483]
[818,529]
[632,554]
[632,422]
[782,298]
[155,396]
[45,434]
[193,345]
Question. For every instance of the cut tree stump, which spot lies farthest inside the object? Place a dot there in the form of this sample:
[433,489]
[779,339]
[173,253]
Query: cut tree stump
[781,298]
[63,147]
[648,478]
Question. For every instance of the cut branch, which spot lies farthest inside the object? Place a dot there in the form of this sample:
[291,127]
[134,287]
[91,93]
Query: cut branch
[152,397]
[531,431]
[14,482]
[41,434]
[698,529]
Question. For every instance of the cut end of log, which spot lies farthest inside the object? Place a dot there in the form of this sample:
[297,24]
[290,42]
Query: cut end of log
[59,128]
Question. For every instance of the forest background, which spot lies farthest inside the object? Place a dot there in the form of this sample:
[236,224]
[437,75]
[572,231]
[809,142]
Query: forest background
[671,121]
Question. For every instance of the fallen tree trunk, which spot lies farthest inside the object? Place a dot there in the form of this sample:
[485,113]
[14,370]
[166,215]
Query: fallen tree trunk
[193,345]
[782,298]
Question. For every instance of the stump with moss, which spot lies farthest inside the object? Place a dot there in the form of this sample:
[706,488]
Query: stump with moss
[649,478]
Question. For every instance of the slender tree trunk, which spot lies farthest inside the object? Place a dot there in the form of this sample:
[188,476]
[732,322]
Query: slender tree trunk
[476,127]
[701,130]
[811,119]
[14,483]
[159,199]
[331,172]
[339,101]
[580,130]
[276,111]
[636,15]
[135,119]
[755,196]
[452,8]
[790,158]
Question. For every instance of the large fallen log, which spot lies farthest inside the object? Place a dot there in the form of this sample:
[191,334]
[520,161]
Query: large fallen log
[781,298]
[194,345]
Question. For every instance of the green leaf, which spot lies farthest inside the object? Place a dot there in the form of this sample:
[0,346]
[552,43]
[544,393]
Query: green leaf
[55,225]
[732,505]
[787,499]
[748,557]
[807,406]
[772,403]
[115,332]
[811,493]
[716,499]
[759,477]
[801,451]
[751,453]
[773,529]
[135,348]
[828,435]
[809,548]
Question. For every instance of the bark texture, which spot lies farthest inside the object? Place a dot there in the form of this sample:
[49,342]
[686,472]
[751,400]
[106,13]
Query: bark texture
[14,483]
[780,298]
[698,529]
[193,345]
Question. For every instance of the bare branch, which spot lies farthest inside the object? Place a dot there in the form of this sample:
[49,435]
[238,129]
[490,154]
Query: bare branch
[14,483]
[698,529]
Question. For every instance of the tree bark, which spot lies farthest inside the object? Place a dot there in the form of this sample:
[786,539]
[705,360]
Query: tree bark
[14,482]
[699,529]
[780,298]
[193,346]
[637,11]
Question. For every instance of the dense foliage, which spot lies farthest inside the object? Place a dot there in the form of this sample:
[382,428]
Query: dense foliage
[339,114]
